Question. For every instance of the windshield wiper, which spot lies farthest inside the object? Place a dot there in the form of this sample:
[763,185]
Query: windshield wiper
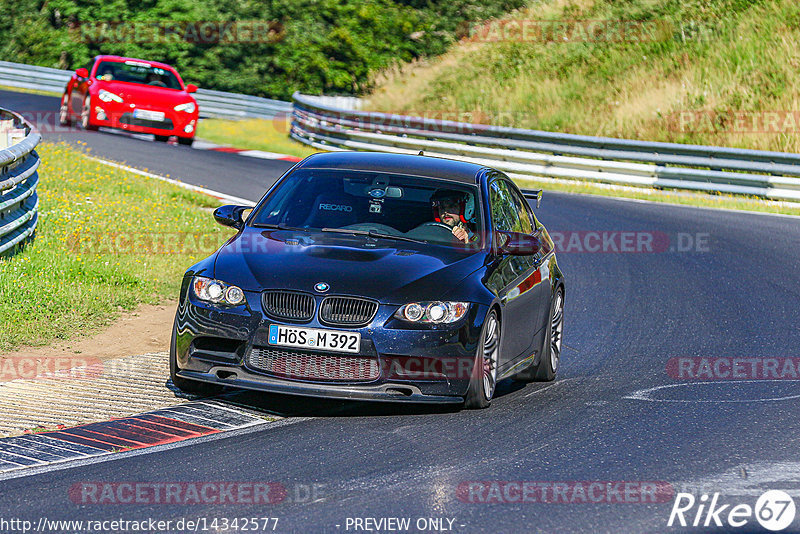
[373,234]
[280,226]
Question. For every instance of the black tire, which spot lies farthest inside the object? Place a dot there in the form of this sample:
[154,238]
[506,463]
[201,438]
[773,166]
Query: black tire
[86,115]
[162,138]
[63,113]
[186,141]
[483,382]
[184,384]
[551,348]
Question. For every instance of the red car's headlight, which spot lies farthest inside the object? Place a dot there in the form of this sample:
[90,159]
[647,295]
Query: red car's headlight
[108,96]
[188,107]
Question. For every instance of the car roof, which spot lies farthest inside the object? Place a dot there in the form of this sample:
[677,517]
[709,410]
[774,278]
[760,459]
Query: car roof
[425,166]
[122,58]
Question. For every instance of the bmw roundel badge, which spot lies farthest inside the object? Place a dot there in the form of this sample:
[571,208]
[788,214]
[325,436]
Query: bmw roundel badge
[377,193]
[321,287]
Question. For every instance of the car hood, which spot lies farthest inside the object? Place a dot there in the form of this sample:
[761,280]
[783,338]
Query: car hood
[145,94]
[392,272]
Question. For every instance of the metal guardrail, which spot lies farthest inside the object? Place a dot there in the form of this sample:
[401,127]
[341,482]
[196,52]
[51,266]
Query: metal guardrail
[211,103]
[531,154]
[19,203]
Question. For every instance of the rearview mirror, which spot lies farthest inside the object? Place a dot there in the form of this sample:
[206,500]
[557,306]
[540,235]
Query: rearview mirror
[191,88]
[82,73]
[230,215]
[517,244]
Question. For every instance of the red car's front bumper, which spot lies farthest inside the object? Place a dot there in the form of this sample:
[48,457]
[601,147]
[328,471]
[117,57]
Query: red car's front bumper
[144,119]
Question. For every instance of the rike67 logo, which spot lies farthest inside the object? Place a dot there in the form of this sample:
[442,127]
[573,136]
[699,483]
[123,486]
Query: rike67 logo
[774,510]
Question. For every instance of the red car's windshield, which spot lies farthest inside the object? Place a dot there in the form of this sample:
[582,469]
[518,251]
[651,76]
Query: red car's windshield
[137,72]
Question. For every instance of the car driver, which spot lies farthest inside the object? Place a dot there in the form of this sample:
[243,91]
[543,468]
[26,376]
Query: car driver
[449,207]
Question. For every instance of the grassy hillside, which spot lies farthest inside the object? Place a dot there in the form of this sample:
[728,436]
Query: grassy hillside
[713,72]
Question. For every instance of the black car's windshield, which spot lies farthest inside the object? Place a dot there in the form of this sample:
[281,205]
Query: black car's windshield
[137,72]
[375,204]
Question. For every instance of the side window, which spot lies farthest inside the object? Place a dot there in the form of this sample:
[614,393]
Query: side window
[524,214]
[505,216]
[509,210]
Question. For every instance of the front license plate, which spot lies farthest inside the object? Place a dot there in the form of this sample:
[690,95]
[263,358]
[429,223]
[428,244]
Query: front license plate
[148,115]
[314,338]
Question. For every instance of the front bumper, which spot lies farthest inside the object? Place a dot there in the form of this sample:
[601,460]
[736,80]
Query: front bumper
[240,377]
[423,365]
[120,116]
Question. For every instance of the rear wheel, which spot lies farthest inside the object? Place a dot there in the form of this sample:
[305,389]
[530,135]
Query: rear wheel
[184,384]
[63,113]
[484,374]
[86,115]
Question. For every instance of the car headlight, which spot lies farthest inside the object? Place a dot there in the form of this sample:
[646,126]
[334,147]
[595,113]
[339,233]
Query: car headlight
[108,96]
[216,292]
[188,107]
[433,312]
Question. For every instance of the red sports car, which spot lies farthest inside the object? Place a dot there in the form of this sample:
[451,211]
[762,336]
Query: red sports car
[133,95]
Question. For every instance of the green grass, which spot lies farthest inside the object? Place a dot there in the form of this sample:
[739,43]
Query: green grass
[29,91]
[94,254]
[709,56]
[254,134]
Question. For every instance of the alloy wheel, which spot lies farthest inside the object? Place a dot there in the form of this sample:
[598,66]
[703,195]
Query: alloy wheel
[556,330]
[491,342]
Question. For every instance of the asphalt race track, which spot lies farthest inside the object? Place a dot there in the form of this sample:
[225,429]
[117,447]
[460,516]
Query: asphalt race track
[701,286]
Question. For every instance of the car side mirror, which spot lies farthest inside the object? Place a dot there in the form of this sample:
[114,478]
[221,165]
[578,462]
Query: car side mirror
[191,88]
[230,215]
[82,73]
[517,244]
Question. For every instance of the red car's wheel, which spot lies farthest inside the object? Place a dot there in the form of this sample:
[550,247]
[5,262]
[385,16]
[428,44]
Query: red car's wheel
[63,113]
[86,115]
[186,140]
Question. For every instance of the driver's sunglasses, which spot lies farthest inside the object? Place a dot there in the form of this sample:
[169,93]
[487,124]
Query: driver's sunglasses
[450,206]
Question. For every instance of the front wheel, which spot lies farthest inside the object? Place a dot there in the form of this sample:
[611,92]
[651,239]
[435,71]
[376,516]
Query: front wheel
[63,113]
[86,115]
[187,141]
[483,381]
[184,384]
[161,138]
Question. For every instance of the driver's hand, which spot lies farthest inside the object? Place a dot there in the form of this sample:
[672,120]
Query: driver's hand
[461,234]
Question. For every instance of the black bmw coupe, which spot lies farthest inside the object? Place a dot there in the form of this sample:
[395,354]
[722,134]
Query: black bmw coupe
[375,277]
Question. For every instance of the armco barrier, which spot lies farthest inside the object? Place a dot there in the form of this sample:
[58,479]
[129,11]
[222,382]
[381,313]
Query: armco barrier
[19,202]
[211,103]
[530,153]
